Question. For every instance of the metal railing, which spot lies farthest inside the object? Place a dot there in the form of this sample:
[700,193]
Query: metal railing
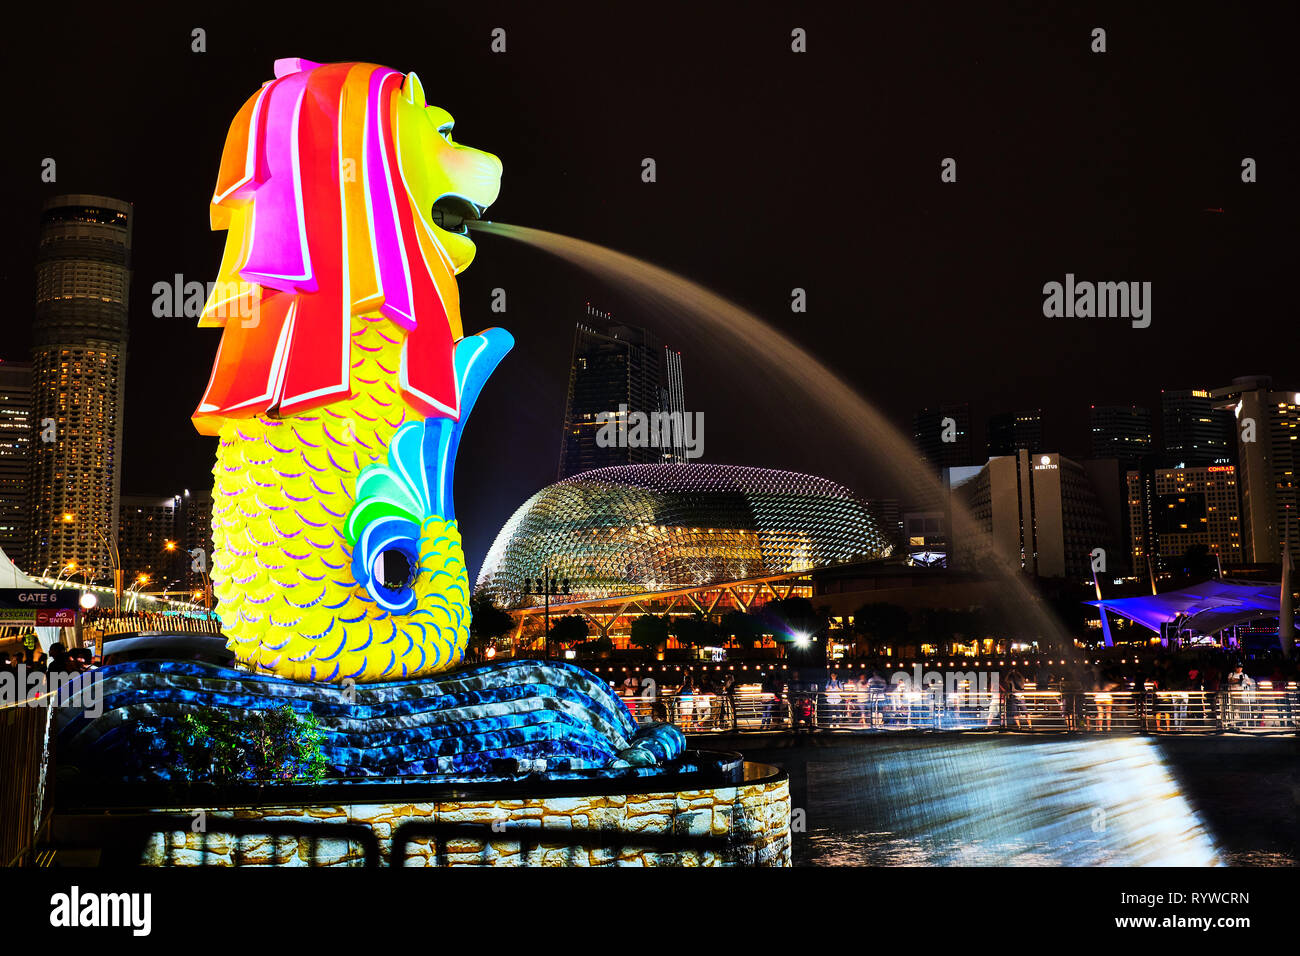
[1261,710]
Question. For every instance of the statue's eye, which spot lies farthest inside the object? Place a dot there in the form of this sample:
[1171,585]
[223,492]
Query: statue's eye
[394,570]
[446,132]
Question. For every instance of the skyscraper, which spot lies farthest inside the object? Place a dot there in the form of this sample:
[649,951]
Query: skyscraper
[1041,512]
[149,526]
[1011,431]
[194,526]
[1268,429]
[617,369]
[15,458]
[1193,431]
[1122,432]
[83,274]
[942,435]
[1174,509]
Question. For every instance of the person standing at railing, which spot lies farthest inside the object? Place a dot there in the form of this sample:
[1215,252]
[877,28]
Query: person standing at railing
[1241,696]
[834,701]
[1013,704]
[727,716]
[1105,699]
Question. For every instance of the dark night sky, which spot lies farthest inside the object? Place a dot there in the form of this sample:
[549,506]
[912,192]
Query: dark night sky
[776,170]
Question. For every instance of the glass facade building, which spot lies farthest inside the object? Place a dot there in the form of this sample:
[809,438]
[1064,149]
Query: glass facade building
[644,528]
[83,278]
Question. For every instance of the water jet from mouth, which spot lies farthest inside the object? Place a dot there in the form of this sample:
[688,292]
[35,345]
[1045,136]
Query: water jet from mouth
[766,348]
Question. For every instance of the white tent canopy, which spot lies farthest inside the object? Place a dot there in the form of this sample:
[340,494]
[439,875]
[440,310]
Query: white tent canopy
[11,576]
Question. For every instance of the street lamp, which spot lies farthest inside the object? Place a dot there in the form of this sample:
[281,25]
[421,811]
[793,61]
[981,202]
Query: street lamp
[546,586]
[140,581]
[114,556]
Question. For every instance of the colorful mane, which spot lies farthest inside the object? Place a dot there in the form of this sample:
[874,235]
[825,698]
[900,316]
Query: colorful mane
[323,225]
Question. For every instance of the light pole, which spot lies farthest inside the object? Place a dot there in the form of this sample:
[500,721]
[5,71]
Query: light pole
[140,581]
[113,555]
[546,586]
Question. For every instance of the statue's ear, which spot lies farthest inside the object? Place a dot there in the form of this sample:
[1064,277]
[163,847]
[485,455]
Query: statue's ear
[412,90]
[293,64]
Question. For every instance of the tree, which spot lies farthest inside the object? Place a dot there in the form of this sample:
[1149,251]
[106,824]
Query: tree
[879,624]
[695,631]
[743,628]
[487,622]
[570,629]
[224,747]
[648,632]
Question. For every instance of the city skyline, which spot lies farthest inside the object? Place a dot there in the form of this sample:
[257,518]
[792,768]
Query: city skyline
[940,278]
[1190,424]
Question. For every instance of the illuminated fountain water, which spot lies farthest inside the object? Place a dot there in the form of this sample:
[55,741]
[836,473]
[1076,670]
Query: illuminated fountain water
[766,349]
[1042,804]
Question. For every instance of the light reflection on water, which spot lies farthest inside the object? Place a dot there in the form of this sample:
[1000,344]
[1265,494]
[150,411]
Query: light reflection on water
[1075,802]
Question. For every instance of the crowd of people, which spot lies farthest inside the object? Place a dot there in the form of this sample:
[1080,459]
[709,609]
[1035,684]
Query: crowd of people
[1176,691]
[59,660]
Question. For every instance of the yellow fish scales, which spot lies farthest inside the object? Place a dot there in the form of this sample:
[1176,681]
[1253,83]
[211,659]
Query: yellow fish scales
[281,564]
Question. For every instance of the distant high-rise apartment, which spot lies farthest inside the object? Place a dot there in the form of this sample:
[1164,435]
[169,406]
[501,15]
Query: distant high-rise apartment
[617,370]
[149,539]
[1174,509]
[194,526]
[1011,431]
[1122,432]
[83,274]
[1193,431]
[942,436]
[1268,430]
[15,458]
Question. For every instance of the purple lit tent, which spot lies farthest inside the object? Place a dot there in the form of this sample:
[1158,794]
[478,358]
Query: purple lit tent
[1207,608]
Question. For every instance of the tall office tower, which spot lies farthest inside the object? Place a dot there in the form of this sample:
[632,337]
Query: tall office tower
[942,435]
[1122,432]
[149,539]
[1041,512]
[888,513]
[617,369]
[1268,429]
[1193,431]
[1011,431]
[194,526]
[83,275]
[1173,509]
[15,458]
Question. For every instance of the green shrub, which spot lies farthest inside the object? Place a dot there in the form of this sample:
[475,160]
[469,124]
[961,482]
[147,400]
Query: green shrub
[213,745]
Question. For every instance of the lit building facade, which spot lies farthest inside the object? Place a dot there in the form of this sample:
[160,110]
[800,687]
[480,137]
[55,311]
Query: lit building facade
[1011,431]
[1174,509]
[647,528]
[15,459]
[149,524]
[942,435]
[1194,432]
[1041,513]
[617,367]
[194,531]
[1122,432]
[83,275]
[1268,429]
